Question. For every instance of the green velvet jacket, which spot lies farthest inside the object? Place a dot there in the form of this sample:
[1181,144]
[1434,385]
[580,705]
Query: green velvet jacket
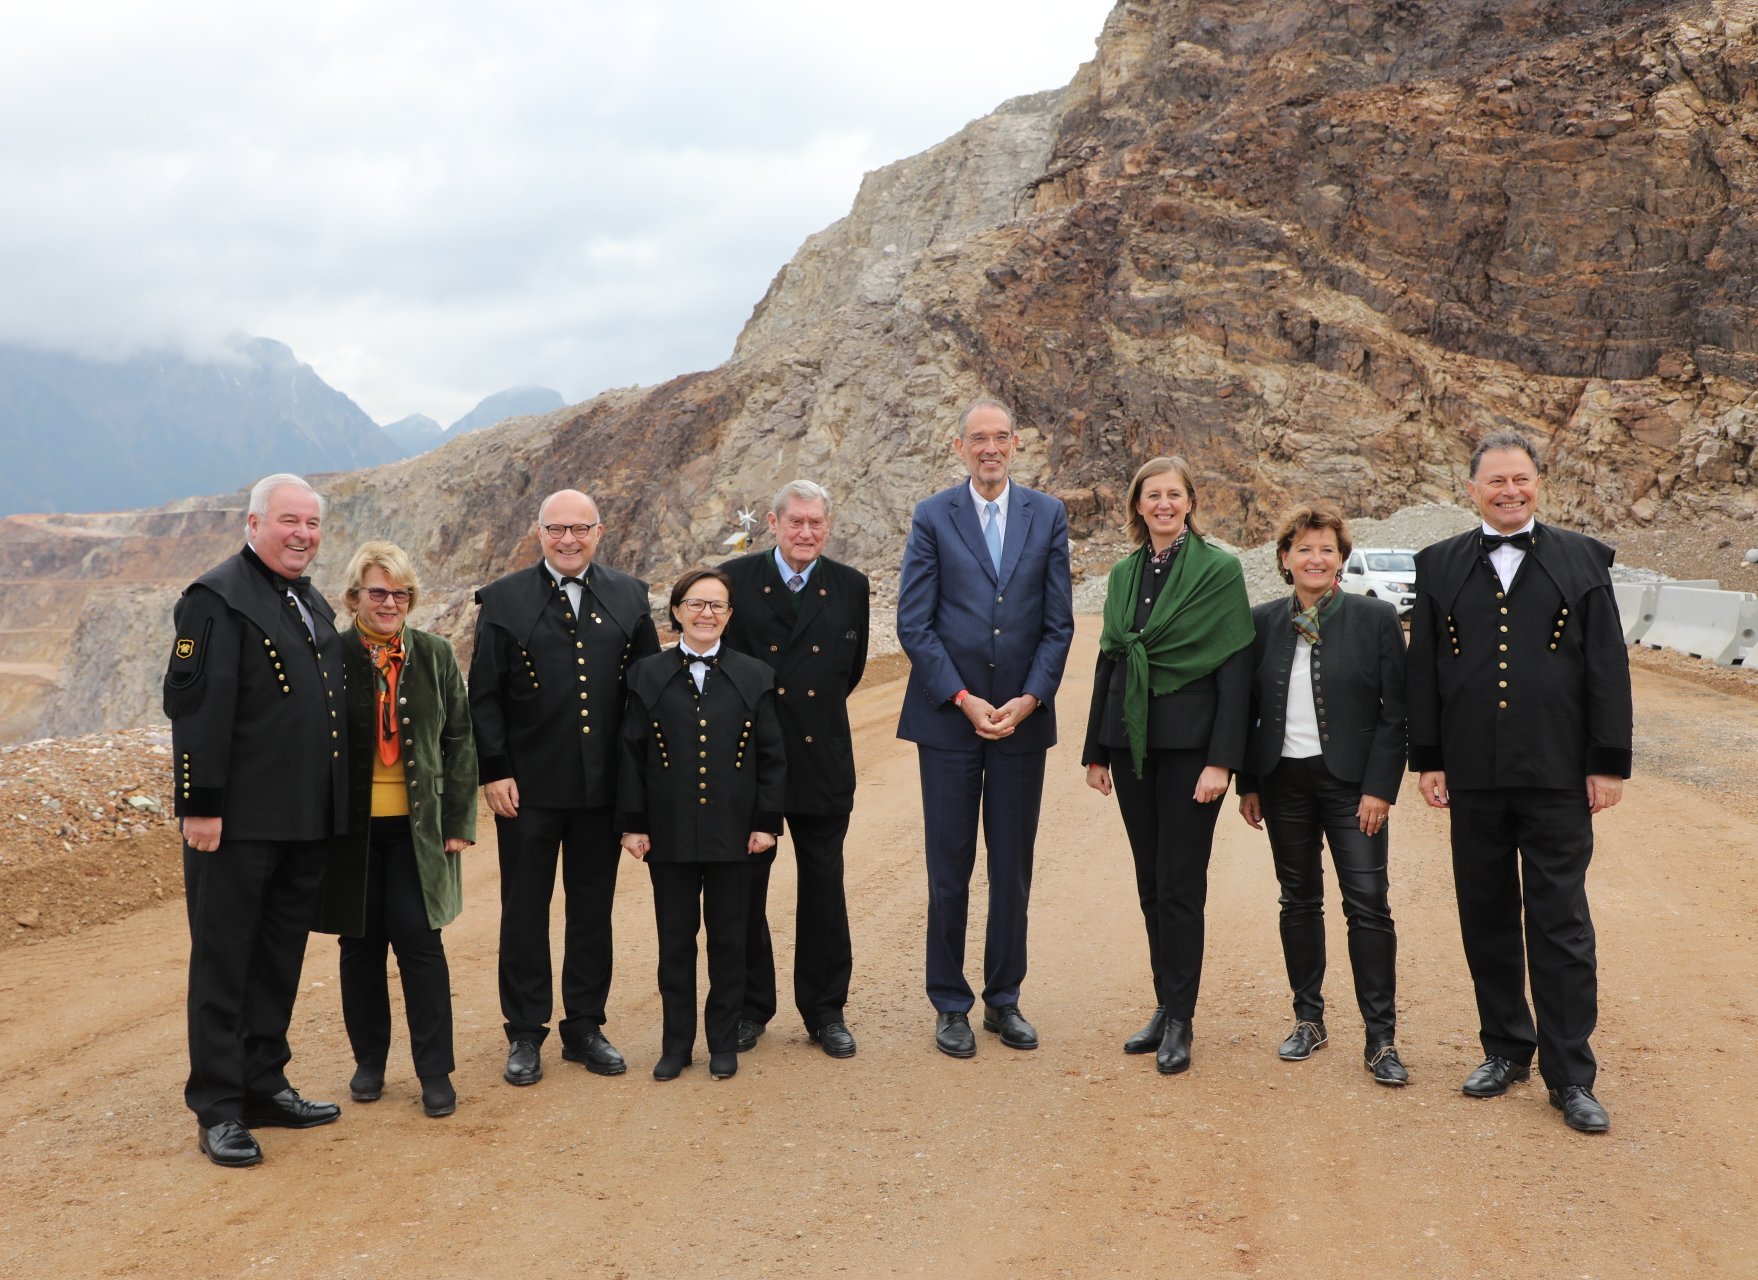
[439,765]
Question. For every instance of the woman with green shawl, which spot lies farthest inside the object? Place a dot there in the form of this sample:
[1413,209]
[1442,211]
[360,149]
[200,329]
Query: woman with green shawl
[1167,728]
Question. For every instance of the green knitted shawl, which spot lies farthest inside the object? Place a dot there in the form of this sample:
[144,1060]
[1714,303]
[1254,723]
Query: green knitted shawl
[1201,619]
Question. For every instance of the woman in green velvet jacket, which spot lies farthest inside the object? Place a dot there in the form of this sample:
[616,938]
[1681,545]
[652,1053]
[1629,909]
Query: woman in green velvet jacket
[395,880]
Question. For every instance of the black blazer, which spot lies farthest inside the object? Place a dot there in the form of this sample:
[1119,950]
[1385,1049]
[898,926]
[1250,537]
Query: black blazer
[1207,714]
[1528,687]
[546,688]
[255,704]
[699,774]
[818,654]
[1357,687]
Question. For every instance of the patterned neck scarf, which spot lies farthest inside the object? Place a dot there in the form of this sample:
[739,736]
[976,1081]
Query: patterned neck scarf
[1161,556]
[1306,621]
[387,654]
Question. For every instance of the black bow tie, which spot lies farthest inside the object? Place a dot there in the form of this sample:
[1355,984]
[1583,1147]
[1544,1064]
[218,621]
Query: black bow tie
[578,581]
[1490,541]
[300,587]
[713,660]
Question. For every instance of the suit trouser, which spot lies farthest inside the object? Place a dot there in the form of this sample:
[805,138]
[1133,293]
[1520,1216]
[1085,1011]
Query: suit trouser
[1005,790]
[250,908]
[823,953]
[587,841]
[1529,847]
[685,895]
[396,916]
[1304,804]
[1170,838]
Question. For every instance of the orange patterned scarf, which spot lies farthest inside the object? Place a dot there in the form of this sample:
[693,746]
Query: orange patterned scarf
[387,657]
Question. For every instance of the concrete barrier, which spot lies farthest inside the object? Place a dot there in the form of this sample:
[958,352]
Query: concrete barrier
[1721,626]
[1635,607]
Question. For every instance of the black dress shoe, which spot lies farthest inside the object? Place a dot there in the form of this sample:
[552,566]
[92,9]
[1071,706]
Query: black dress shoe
[438,1098]
[368,1084]
[1492,1079]
[749,1031]
[1300,1043]
[1173,1054]
[670,1066]
[953,1037]
[596,1054]
[1010,1023]
[1148,1038]
[287,1110]
[1581,1110]
[228,1144]
[524,1063]
[1383,1061]
[723,1065]
[836,1039]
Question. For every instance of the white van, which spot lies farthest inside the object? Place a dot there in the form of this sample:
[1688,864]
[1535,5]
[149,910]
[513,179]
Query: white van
[1383,573]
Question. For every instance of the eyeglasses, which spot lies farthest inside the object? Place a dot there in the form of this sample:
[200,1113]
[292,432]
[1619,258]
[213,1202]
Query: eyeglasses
[559,531]
[984,441]
[716,607]
[400,595]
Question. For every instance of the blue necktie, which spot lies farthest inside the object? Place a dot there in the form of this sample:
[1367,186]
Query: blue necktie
[992,534]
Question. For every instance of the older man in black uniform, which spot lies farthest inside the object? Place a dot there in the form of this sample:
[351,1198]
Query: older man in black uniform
[806,616]
[1520,725]
[253,691]
[546,695]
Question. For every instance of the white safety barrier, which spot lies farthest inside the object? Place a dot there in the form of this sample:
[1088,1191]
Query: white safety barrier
[1721,626]
[1635,607]
[1636,602]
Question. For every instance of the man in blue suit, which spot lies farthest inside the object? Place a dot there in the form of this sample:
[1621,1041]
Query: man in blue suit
[985,613]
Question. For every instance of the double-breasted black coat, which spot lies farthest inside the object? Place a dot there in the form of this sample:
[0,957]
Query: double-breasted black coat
[255,702]
[818,653]
[701,772]
[546,687]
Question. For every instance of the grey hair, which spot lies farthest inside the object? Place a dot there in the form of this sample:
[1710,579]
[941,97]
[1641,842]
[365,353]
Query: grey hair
[985,402]
[1503,439]
[262,489]
[804,490]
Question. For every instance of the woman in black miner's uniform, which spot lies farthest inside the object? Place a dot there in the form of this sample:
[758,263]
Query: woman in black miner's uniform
[700,789]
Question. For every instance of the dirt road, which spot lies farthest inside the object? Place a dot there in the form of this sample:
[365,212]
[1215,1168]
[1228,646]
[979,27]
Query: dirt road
[1071,1161]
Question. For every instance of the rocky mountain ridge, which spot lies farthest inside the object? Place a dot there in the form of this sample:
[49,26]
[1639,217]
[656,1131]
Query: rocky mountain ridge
[1315,248]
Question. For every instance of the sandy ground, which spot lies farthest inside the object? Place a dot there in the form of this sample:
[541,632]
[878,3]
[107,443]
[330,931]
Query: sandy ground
[1074,1160]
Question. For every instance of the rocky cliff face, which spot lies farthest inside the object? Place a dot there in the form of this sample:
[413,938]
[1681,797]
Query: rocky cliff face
[1317,248]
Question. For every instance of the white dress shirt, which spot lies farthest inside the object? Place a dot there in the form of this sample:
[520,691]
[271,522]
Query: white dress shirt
[1506,559]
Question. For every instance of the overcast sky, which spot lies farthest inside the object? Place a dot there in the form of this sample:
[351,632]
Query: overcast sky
[432,201]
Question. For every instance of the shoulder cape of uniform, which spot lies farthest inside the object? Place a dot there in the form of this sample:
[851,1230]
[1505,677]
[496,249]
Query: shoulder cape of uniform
[749,676]
[518,600]
[1576,563]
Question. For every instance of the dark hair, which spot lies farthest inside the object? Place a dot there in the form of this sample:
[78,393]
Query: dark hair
[1503,439]
[1312,516]
[1137,527]
[681,588]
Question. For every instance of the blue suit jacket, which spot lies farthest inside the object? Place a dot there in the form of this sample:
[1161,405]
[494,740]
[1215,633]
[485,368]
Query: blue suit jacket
[965,627]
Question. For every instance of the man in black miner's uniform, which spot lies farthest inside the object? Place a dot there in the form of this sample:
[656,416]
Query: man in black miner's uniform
[1520,725]
[253,691]
[806,616]
[546,696]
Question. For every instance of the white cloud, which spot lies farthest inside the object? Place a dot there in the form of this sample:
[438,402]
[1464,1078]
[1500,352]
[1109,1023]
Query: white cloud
[433,201]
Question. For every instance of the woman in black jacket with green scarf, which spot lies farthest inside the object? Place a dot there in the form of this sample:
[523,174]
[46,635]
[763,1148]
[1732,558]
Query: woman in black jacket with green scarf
[1167,728]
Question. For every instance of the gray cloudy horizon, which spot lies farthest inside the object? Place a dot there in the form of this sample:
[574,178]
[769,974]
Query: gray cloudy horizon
[432,202]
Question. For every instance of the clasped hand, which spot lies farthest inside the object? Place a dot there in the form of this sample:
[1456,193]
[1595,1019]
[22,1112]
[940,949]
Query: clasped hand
[995,723]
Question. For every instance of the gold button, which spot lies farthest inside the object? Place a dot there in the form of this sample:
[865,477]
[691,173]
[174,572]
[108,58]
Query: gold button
[814,648]
[775,648]
[1565,613]
[811,693]
[1502,705]
[1502,647]
[779,692]
[1502,665]
[1501,684]
[1504,627]
[1504,608]
[808,739]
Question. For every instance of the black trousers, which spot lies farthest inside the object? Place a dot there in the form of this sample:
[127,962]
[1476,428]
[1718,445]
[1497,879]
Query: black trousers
[587,841]
[685,894]
[396,916]
[1529,847]
[823,954]
[1304,805]
[250,907]
[1170,836]
[1006,790]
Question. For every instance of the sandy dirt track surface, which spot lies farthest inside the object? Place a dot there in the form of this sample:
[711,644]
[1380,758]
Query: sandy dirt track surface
[1074,1160]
